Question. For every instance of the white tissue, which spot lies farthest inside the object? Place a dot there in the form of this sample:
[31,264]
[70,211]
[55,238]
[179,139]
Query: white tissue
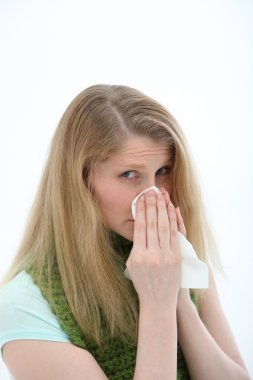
[194,273]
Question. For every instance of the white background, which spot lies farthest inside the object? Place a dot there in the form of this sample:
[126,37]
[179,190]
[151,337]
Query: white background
[195,57]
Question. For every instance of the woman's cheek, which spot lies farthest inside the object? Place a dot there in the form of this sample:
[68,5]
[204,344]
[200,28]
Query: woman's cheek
[114,198]
[122,201]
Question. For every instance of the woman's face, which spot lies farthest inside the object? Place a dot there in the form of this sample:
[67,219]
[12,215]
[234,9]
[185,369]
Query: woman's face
[141,163]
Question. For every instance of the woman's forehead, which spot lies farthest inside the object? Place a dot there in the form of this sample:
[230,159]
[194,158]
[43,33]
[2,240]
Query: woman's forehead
[139,147]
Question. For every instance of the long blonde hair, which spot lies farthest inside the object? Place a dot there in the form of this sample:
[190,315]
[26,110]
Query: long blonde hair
[65,222]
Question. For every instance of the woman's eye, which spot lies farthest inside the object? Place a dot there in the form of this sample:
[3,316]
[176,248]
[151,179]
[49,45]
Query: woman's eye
[125,174]
[131,174]
[163,171]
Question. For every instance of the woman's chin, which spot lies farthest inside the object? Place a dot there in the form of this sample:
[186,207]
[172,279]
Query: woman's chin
[126,234]
[126,230]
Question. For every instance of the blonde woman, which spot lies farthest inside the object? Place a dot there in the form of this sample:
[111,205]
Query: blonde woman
[67,311]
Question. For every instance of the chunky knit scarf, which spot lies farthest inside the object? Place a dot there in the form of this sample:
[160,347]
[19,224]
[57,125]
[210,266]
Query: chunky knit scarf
[116,357]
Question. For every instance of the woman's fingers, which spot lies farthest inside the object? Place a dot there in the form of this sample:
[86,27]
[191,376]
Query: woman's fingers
[151,218]
[157,222]
[166,196]
[180,222]
[172,218]
[163,223]
[173,228]
[139,239]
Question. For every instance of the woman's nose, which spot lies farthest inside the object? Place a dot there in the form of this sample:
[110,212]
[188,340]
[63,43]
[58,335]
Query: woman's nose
[149,184]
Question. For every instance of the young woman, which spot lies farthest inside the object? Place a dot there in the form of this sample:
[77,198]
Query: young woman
[66,309]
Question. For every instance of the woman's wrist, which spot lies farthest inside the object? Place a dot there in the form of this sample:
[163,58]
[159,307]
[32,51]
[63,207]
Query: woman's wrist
[158,308]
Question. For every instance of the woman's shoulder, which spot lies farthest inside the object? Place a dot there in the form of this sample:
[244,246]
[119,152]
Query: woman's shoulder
[21,281]
[25,313]
[21,293]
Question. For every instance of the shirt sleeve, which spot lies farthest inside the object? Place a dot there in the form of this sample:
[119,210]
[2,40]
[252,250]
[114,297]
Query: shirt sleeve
[26,314]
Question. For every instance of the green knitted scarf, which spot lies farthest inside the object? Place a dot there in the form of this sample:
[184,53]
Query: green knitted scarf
[116,357]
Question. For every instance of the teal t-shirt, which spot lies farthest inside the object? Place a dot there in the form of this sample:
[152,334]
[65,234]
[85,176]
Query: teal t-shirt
[25,314]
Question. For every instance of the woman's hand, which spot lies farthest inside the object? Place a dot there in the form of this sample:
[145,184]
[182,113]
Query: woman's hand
[154,262]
